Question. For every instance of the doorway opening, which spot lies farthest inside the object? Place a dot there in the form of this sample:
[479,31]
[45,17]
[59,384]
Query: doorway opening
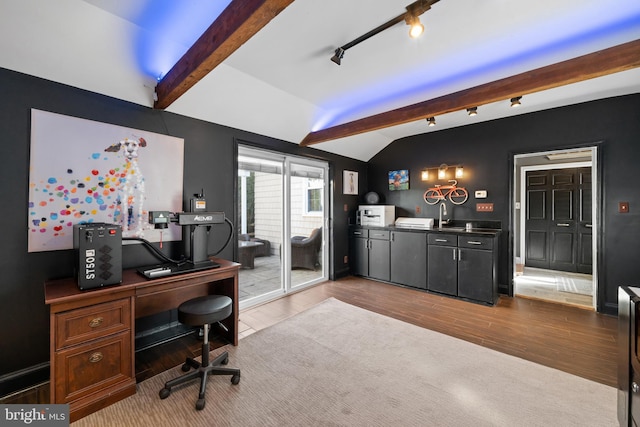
[282,220]
[556,226]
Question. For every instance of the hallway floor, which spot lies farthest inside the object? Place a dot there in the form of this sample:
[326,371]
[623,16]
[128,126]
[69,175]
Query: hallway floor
[556,286]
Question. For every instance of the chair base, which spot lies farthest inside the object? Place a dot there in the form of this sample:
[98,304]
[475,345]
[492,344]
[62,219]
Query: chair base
[202,371]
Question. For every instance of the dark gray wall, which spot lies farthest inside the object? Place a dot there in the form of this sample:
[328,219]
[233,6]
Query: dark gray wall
[486,151]
[210,152]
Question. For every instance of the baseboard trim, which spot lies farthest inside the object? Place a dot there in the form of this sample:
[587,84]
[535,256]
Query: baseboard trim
[23,379]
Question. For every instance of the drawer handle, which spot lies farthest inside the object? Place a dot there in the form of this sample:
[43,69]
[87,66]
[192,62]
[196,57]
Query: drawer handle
[96,357]
[441,240]
[95,322]
[473,242]
[588,225]
[562,225]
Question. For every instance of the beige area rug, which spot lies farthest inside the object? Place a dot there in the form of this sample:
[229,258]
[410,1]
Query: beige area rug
[340,365]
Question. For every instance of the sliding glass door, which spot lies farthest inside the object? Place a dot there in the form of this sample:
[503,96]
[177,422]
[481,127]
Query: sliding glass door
[281,224]
[308,211]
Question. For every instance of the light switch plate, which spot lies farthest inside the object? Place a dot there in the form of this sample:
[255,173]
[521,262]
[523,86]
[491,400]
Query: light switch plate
[481,194]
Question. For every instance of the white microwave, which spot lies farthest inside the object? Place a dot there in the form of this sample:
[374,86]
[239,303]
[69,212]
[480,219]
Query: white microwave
[376,215]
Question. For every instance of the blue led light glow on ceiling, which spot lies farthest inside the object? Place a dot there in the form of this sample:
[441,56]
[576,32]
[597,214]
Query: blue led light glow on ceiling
[168,28]
[372,99]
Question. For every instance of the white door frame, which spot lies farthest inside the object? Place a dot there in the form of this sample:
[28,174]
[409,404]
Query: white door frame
[519,208]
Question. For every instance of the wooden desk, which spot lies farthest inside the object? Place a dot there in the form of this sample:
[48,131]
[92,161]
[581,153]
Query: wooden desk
[92,349]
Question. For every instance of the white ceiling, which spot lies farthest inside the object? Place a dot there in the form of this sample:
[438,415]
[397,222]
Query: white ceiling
[282,84]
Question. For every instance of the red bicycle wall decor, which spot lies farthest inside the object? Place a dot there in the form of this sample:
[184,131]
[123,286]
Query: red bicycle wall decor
[457,195]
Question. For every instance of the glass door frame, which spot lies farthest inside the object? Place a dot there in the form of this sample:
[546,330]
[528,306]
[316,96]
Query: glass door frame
[285,251]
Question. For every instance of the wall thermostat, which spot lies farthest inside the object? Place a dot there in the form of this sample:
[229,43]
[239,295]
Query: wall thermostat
[481,194]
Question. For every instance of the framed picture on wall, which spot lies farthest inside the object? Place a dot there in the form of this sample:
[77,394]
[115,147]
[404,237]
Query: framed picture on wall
[399,180]
[349,182]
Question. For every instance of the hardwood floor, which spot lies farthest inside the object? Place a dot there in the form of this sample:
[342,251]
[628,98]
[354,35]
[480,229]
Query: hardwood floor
[571,339]
[574,340]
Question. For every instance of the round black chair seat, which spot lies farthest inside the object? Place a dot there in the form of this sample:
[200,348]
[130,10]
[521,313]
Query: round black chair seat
[204,310]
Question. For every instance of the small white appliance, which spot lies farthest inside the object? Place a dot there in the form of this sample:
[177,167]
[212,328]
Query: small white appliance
[376,215]
[420,223]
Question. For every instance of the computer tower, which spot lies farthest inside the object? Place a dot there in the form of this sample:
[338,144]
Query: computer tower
[98,248]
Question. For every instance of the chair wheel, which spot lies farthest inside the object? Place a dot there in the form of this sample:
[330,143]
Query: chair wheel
[186,367]
[235,379]
[225,360]
[164,393]
[200,404]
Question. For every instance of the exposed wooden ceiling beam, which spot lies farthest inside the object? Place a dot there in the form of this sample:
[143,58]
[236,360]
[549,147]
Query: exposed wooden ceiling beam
[241,20]
[608,61]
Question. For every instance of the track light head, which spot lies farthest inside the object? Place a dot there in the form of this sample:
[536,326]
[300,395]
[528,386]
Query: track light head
[432,121]
[338,54]
[472,111]
[515,102]
[416,28]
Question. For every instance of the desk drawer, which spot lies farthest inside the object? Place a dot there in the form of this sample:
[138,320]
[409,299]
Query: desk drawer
[96,366]
[83,324]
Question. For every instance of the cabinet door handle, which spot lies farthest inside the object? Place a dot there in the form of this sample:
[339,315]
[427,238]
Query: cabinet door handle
[473,242]
[563,225]
[96,357]
[588,225]
[95,322]
[454,254]
[357,233]
[459,255]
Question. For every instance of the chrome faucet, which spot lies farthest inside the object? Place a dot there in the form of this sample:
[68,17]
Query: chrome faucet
[442,210]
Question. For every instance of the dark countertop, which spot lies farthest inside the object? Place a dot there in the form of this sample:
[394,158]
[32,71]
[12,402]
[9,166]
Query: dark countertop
[445,229]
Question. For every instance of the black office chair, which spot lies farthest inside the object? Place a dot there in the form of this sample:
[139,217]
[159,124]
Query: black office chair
[203,311]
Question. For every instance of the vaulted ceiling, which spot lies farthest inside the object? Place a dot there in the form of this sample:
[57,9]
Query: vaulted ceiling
[264,65]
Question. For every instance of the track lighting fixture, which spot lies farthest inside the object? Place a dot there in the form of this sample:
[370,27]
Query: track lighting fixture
[410,16]
[415,26]
[472,111]
[339,53]
[432,121]
[515,102]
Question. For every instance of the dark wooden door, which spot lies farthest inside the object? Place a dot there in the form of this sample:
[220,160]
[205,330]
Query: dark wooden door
[558,222]
[585,222]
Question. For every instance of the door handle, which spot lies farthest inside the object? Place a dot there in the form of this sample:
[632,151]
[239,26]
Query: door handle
[563,225]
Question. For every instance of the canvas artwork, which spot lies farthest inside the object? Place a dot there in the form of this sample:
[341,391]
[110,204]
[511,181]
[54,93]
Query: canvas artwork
[399,180]
[82,171]
[350,182]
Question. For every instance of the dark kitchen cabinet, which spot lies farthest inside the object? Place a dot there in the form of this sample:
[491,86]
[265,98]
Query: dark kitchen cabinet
[409,258]
[464,266]
[442,266]
[459,264]
[477,268]
[370,253]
